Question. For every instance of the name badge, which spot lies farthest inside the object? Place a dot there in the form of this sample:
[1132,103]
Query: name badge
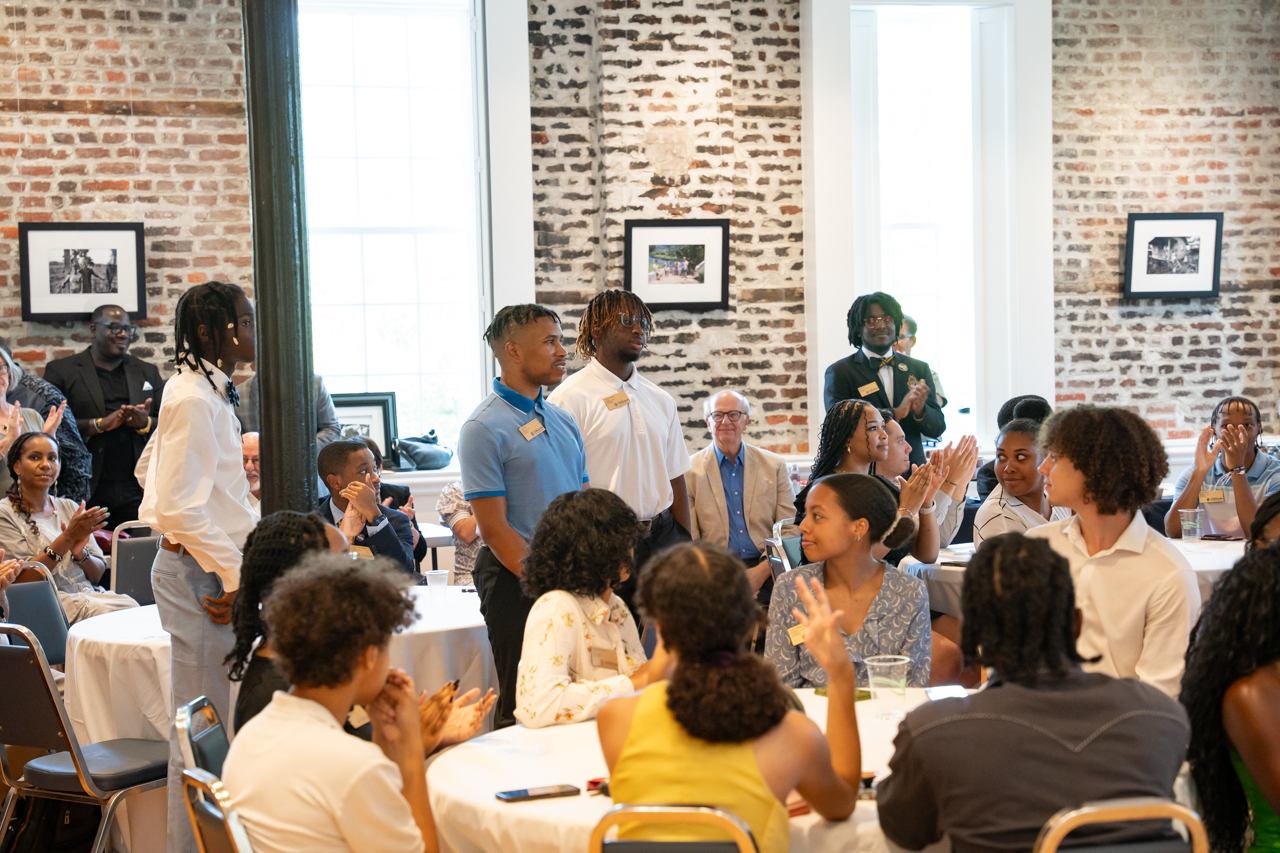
[869,388]
[796,634]
[1212,497]
[604,658]
[532,429]
[360,552]
[616,401]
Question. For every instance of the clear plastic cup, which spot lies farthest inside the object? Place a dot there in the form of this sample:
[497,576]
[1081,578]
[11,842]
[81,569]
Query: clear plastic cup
[888,680]
[437,585]
[1192,524]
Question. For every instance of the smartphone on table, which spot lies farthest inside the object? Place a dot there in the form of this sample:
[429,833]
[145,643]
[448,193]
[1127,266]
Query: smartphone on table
[522,794]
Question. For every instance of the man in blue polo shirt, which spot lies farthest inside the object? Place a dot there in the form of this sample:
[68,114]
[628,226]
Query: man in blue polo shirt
[517,453]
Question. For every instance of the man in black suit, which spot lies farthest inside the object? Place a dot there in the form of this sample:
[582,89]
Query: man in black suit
[347,468]
[886,379]
[116,399]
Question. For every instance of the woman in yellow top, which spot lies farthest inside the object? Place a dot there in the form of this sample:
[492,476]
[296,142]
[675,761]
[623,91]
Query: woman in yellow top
[714,729]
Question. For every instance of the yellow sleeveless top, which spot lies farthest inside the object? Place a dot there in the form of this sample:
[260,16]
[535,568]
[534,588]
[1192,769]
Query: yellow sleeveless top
[663,763]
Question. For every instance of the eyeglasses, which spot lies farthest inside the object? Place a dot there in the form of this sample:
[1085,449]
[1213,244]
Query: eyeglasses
[733,416]
[630,320]
[881,322]
[115,329]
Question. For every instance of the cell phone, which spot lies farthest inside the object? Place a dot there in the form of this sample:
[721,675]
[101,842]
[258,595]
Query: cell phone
[1221,537]
[550,791]
[951,691]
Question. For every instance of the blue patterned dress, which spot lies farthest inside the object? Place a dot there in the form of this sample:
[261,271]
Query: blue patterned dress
[897,623]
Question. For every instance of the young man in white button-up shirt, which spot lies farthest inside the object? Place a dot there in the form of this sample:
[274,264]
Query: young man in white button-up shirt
[630,427]
[196,495]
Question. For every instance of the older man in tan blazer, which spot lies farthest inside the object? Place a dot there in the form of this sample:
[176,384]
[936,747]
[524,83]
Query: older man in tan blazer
[737,491]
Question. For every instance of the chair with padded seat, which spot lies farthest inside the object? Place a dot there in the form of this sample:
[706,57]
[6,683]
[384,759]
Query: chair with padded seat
[201,737]
[1125,810]
[32,715]
[217,826]
[35,605]
[740,838]
[784,552]
[131,559]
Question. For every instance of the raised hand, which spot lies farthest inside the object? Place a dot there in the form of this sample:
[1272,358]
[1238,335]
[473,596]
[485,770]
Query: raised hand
[912,491]
[822,635]
[1234,442]
[54,418]
[83,524]
[12,427]
[963,462]
[939,469]
[1204,456]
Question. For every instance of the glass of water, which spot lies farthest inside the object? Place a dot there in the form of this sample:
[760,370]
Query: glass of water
[1191,523]
[888,677]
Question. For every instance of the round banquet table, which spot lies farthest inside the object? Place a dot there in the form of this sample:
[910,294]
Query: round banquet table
[463,781]
[1209,558]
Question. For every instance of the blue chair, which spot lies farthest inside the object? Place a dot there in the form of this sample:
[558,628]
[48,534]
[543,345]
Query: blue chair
[784,552]
[32,715]
[35,605]
[1126,810]
[741,839]
[201,737]
[216,824]
[131,560]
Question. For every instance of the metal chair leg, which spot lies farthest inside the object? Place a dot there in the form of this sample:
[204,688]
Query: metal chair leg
[103,837]
[10,800]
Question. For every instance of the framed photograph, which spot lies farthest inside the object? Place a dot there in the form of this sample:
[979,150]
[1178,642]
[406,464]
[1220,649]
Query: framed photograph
[677,264]
[70,268]
[370,416]
[1173,255]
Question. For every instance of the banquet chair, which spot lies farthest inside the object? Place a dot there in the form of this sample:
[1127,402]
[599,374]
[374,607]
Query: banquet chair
[35,605]
[1124,810]
[784,553]
[689,815]
[216,824]
[131,560]
[201,736]
[32,715]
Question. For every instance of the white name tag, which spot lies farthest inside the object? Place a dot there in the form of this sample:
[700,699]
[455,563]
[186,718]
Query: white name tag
[616,401]
[869,388]
[532,429]
[606,658]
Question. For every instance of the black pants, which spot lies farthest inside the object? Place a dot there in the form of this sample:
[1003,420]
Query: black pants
[505,609]
[663,533]
[121,498]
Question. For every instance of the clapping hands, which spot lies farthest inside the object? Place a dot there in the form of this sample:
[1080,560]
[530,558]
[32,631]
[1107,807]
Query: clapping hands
[465,719]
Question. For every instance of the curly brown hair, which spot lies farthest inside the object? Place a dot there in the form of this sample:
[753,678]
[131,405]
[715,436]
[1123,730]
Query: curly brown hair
[581,544]
[322,616]
[1120,456]
[702,601]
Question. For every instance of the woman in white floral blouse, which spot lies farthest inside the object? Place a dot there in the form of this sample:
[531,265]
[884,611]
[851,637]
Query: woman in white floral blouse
[581,645]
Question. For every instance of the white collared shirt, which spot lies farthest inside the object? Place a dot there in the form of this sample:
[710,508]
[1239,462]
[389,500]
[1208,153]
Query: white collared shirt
[578,652]
[370,528]
[299,782]
[635,450]
[1139,599]
[1001,513]
[885,373]
[192,475]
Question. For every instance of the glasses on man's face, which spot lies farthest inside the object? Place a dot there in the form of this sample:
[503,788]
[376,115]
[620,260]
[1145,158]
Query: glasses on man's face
[733,416]
[879,322]
[115,330]
[630,320]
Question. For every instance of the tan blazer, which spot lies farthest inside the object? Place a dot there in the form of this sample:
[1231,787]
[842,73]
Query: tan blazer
[767,495]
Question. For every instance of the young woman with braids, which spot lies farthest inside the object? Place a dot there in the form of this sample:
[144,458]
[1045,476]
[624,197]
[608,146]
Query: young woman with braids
[1266,524]
[197,497]
[35,525]
[713,725]
[1231,690]
[989,769]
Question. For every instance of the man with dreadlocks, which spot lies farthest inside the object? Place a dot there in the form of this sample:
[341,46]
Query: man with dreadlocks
[630,427]
[883,377]
[196,495]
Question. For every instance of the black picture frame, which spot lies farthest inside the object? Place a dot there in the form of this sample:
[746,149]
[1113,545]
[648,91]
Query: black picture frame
[376,412]
[1173,253]
[48,297]
[679,293]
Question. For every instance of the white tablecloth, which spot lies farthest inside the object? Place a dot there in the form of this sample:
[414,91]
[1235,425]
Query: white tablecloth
[469,818]
[1209,558]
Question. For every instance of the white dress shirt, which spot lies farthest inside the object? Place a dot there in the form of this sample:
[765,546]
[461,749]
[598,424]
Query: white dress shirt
[370,528]
[634,450]
[1001,513]
[578,652]
[192,475]
[299,782]
[1139,599]
[885,373]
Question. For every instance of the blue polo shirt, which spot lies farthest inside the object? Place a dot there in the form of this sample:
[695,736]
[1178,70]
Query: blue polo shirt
[1218,497]
[497,460]
[731,478]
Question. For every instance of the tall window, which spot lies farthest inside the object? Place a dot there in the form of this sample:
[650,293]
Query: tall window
[390,105]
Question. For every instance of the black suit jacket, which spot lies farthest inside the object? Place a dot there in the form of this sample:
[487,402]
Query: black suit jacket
[77,378]
[394,541]
[847,375]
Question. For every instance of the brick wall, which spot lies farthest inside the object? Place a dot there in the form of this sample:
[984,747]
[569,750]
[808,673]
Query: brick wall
[648,109]
[128,111]
[1165,106]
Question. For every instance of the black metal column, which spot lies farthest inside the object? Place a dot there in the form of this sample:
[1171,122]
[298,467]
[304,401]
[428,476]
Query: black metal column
[280,283]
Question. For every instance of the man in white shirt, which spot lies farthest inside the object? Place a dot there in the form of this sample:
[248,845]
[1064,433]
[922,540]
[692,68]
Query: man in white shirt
[252,468]
[196,495]
[1136,592]
[630,427]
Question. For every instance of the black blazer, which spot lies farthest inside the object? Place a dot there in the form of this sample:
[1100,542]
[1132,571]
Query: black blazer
[77,378]
[394,541]
[847,375]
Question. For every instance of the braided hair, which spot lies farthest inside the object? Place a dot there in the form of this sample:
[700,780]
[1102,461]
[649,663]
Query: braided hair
[212,305]
[1238,632]
[1267,510]
[1226,403]
[861,309]
[603,311]
[1019,610]
[23,507]
[838,427]
[276,545]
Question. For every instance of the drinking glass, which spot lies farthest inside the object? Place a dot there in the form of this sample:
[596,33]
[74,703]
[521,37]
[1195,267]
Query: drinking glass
[888,677]
[437,584]
[1191,524]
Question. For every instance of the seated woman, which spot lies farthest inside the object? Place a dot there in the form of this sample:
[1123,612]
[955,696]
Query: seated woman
[1230,475]
[581,645]
[1231,691]
[35,525]
[883,611]
[960,461]
[1266,524]
[713,728]
[1023,406]
[1019,503]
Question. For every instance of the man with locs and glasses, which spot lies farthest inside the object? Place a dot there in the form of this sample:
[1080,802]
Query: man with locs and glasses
[884,378]
[737,490]
[116,399]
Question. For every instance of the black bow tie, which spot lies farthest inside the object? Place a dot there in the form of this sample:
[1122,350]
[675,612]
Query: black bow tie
[233,396]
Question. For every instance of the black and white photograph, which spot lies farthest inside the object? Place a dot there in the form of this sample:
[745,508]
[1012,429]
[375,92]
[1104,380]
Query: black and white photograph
[1173,255]
[370,415]
[673,264]
[70,268]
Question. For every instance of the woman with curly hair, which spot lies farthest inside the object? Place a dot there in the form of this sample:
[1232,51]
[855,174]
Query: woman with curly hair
[713,727]
[1231,691]
[581,645]
[1137,593]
